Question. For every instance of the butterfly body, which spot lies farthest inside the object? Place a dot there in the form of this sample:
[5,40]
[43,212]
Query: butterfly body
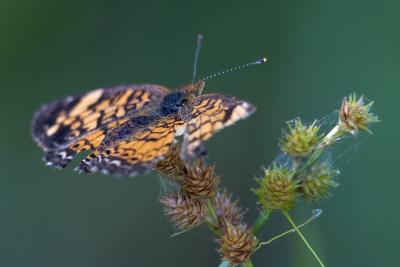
[129,128]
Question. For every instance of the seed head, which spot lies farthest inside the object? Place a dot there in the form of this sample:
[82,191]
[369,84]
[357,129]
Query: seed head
[300,141]
[172,165]
[237,243]
[200,180]
[277,189]
[228,211]
[354,114]
[184,212]
[317,182]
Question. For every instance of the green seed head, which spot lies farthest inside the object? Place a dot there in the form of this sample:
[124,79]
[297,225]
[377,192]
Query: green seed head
[277,189]
[317,182]
[300,141]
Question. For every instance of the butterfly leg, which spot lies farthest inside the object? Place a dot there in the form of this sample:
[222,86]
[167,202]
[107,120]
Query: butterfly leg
[59,159]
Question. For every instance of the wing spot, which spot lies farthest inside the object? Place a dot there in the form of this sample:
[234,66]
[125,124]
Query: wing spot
[53,129]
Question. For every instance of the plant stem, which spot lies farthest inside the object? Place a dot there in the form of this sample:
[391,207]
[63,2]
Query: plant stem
[329,139]
[287,232]
[302,237]
[261,220]
[247,264]
[228,264]
[212,219]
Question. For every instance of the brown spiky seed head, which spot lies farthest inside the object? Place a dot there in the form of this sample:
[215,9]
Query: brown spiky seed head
[355,115]
[227,210]
[237,243]
[277,189]
[184,212]
[301,139]
[200,180]
[172,165]
[317,182]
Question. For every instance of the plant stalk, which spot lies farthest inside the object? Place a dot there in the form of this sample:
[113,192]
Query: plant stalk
[289,218]
[248,264]
[261,220]
[287,232]
[328,140]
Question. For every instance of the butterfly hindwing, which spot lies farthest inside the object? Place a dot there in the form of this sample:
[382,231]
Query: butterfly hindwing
[208,114]
[74,124]
[133,147]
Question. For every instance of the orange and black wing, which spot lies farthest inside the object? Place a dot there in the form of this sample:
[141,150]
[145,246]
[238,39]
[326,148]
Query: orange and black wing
[208,114]
[77,123]
[133,147]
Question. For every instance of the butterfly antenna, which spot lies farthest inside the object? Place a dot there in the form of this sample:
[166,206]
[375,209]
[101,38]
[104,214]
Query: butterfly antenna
[196,55]
[216,74]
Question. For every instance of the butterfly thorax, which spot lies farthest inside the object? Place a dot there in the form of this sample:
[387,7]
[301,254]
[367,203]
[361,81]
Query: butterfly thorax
[172,103]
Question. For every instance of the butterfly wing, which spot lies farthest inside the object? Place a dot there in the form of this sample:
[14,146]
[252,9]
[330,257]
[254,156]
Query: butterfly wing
[209,114]
[133,147]
[77,123]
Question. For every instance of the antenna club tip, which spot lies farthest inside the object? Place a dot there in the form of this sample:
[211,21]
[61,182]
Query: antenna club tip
[260,61]
[200,36]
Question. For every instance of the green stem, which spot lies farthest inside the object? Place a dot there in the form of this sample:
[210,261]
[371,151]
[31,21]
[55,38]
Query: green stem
[328,140]
[261,220]
[211,212]
[302,237]
[313,217]
[229,264]
[213,228]
[212,219]
[247,264]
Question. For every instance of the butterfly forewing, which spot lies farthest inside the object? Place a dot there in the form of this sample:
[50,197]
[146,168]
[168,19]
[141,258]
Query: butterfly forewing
[207,115]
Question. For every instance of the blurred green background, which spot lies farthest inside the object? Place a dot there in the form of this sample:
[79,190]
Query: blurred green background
[318,51]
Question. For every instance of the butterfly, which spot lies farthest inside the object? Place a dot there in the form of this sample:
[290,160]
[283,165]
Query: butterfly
[129,128]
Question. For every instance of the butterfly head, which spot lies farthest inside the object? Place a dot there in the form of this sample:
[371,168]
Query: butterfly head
[194,89]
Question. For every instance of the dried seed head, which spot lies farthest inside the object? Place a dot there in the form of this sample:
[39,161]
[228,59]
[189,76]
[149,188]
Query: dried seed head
[354,114]
[237,243]
[277,189]
[317,182]
[301,139]
[172,166]
[200,180]
[184,212]
[228,211]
